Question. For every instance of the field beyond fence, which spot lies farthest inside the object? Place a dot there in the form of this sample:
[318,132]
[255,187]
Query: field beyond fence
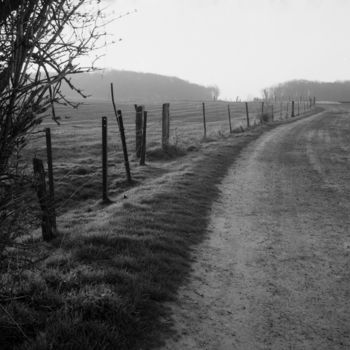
[101,281]
[77,142]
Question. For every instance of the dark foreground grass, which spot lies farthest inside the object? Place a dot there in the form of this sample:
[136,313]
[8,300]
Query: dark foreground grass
[108,273]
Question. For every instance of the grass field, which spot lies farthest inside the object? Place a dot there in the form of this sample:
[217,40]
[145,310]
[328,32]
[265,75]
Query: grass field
[101,283]
[77,142]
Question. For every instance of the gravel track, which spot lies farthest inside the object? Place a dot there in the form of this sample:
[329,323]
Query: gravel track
[274,271]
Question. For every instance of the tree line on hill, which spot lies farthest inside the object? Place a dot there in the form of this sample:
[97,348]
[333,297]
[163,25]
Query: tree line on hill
[323,91]
[134,86]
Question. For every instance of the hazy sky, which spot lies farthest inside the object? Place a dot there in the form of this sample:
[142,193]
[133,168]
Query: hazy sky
[240,45]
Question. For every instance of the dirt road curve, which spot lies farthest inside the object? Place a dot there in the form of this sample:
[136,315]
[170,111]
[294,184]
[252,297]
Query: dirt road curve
[275,271]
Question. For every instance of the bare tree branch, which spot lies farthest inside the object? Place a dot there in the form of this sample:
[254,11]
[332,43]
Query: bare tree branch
[41,42]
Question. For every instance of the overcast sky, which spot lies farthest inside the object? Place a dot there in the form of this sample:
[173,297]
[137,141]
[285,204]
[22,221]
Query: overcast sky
[240,45]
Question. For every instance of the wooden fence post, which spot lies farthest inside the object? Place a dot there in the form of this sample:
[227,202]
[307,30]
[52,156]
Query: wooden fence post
[262,108]
[104,161]
[204,121]
[47,218]
[50,174]
[138,127]
[247,114]
[143,147]
[287,109]
[229,118]
[125,150]
[293,114]
[314,104]
[165,125]
[118,115]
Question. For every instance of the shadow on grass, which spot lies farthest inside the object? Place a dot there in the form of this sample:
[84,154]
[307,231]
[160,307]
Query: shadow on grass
[171,152]
[104,286]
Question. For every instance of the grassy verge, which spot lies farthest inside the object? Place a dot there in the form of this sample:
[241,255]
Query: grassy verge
[102,282]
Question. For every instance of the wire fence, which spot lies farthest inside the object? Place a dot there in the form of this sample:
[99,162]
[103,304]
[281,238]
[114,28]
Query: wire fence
[77,141]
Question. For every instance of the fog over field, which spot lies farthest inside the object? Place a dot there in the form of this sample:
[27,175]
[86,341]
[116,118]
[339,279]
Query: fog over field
[242,46]
[323,91]
[139,87]
[174,174]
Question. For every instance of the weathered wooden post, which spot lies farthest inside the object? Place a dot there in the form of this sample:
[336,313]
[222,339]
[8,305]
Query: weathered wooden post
[125,150]
[138,129]
[165,125]
[247,114]
[229,118]
[314,104]
[287,109]
[119,117]
[298,108]
[262,108]
[104,161]
[204,121]
[293,114]
[143,148]
[47,218]
[50,174]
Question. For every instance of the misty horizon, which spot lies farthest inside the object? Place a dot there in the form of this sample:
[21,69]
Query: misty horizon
[240,46]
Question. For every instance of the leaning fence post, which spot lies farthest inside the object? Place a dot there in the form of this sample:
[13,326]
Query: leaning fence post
[262,108]
[104,160]
[247,114]
[298,108]
[125,150]
[50,174]
[293,114]
[118,115]
[165,125]
[204,121]
[229,117]
[47,218]
[138,126]
[143,145]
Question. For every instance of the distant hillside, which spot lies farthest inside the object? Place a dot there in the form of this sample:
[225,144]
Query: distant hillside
[333,91]
[133,86]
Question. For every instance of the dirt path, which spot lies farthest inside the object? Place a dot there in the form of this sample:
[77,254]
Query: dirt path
[275,270]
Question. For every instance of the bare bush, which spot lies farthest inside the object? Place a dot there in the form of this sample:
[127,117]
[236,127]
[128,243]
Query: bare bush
[41,42]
